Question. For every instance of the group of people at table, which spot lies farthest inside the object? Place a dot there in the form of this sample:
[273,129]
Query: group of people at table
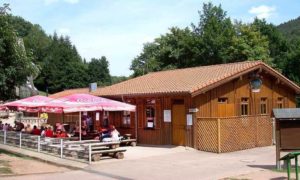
[103,134]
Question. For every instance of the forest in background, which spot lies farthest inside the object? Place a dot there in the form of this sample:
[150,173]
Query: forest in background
[214,39]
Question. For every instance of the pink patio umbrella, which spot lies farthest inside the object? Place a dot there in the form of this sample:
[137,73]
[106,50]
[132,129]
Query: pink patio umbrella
[84,102]
[30,104]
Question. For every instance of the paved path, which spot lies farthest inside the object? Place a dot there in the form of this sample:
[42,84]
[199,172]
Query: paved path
[170,163]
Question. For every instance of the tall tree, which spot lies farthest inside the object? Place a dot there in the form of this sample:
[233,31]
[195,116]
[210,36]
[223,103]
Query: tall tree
[15,64]
[216,31]
[248,44]
[98,70]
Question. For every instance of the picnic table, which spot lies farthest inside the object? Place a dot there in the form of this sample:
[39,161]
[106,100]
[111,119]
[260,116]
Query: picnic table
[287,158]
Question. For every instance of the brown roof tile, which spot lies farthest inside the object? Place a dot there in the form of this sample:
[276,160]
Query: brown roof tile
[70,92]
[189,80]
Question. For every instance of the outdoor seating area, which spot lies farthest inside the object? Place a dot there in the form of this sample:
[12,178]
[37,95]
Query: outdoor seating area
[67,127]
[85,150]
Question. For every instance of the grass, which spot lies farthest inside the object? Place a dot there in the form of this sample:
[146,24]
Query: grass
[285,170]
[14,155]
[5,168]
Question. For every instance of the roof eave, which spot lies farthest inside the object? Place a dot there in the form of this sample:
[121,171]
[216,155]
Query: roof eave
[262,65]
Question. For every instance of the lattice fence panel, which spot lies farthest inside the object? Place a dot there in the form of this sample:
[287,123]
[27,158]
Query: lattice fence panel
[237,133]
[264,131]
[206,133]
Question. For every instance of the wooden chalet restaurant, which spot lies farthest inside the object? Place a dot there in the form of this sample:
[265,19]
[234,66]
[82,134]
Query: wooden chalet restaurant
[218,108]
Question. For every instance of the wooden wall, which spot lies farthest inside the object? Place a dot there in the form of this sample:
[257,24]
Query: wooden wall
[162,132]
[207,103]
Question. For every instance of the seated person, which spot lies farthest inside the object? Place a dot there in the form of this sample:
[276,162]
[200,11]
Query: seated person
[49,132]
[35,131]
[43,131]
[19,126]
[28,129]
[61,134]
[112,135]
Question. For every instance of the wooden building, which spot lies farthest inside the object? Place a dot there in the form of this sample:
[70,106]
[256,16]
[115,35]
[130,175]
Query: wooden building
[218,108]
[287,131]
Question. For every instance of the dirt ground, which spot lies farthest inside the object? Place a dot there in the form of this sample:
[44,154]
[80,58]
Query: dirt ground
[14,165]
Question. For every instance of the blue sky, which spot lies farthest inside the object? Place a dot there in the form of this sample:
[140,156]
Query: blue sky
[117,29]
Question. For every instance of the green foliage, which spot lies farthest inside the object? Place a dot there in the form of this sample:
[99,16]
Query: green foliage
[15,64]
[98,71]
[291,29]
[213,40]
[248,44]
[117,79]
[58,61]
[216,32]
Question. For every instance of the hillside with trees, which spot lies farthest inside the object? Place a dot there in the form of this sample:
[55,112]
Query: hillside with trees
[214,39]
[57,63]
[291,29]
[217,39]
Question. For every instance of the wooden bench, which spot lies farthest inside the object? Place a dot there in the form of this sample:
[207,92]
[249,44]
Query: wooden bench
[102,149]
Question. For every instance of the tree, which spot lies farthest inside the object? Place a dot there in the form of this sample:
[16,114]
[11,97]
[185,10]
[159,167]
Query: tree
[15,64]
[292,68]
[216,32]
[248,44]
[98,70]
[62,67]
[278,45]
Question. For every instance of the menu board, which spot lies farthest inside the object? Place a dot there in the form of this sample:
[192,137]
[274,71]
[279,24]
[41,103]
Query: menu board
[167,115]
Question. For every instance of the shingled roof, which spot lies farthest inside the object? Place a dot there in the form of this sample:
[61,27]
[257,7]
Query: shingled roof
[189,80]
[69,92]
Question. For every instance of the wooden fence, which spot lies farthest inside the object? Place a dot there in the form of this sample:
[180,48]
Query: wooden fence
[232,133]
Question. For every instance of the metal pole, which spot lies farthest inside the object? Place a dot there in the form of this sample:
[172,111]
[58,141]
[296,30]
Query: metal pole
[39,145]
[90,153]
[61,148]
[79,126]
[4,141]
[20,139]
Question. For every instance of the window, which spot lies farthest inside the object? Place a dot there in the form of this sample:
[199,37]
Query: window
[223,100]
[150,113]
[263,105]
[126,119]
[280,102]
[105,119]
[245,106]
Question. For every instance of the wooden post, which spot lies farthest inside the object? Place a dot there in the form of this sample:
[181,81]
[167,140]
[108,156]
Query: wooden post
[39,143]
[79,126]
[219,136]
[61,148]
[90,153]
[20,139]
[4,141]
[277,145]
[136,124]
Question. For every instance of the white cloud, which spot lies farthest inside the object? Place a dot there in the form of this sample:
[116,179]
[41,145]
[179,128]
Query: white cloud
[263,11]
[48,2]
[63,31]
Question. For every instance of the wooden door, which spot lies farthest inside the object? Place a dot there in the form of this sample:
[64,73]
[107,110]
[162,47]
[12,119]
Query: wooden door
[178,124]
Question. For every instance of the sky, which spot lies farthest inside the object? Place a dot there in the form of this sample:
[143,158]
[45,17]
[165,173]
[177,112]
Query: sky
[118,29]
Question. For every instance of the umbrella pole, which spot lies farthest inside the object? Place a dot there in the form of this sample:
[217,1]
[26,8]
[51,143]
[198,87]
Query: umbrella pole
[79,125]
[38,120]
